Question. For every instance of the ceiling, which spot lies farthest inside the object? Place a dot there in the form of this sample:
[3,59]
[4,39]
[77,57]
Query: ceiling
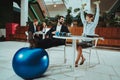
[49,2]
[105,5]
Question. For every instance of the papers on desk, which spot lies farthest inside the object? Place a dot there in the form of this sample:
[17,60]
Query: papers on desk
[38,32]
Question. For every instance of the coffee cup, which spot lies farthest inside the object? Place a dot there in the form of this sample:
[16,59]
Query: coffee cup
[57,33]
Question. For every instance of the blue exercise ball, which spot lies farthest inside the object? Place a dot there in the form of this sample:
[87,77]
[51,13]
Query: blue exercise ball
[30,63]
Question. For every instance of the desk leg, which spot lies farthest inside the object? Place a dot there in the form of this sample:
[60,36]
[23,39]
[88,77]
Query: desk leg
[74,48]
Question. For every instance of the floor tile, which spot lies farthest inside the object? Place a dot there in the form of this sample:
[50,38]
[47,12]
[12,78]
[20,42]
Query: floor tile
[108,69]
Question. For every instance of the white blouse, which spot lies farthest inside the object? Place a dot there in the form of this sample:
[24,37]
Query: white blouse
[89,28]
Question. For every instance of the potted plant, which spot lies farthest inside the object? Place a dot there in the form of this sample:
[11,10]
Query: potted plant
[69,17]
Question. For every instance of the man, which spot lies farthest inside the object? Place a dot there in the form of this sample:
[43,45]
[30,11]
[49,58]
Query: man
[89,24]
[31,30]
[49,41]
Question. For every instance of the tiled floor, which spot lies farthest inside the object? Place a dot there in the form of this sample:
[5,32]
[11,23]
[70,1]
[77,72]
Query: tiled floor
[108,69]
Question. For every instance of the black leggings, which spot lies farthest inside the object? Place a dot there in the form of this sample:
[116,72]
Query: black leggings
[47,43]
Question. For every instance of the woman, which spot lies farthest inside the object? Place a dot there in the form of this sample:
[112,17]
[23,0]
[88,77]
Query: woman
[43,27]
[89,24]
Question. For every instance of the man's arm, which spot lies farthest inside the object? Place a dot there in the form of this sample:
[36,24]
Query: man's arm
[65,29]
[49,33]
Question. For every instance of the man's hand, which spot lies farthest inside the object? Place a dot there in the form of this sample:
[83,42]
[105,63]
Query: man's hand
[46,36]
[53,32]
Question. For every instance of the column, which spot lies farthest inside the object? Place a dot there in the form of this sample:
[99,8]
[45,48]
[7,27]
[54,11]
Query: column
[24,12]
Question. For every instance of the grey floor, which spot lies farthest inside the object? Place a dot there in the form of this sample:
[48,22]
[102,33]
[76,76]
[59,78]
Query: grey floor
[108,69]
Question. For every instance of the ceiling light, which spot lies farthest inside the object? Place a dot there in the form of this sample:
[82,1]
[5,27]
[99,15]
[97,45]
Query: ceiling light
[54,5]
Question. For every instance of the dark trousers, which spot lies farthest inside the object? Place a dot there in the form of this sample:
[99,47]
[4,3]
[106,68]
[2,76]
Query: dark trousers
[47,43]
[31,40]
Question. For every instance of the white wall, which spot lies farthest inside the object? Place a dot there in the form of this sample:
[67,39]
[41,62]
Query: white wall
[2,32]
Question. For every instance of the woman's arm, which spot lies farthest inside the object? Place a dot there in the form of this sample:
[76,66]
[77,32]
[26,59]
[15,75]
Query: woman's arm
[82,13]
[96,19]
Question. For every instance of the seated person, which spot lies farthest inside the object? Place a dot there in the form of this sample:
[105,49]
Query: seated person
[49,41]
[89,24]
[34,30]
[38,34]
[43,27]
[31,30]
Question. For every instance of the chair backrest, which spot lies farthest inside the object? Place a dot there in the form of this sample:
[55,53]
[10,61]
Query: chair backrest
[96,40]
[26,33]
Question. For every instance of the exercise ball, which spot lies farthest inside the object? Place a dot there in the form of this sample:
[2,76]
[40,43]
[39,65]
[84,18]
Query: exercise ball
[30,63]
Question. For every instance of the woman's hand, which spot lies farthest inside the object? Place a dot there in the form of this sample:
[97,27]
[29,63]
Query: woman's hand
[83,5]
[53,32]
